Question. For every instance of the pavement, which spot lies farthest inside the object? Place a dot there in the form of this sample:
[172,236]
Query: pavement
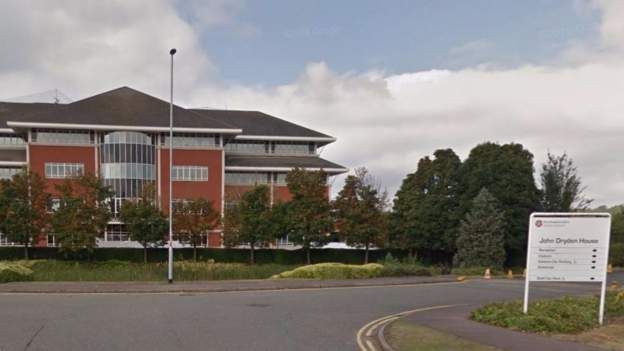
[210,286]
[303,319]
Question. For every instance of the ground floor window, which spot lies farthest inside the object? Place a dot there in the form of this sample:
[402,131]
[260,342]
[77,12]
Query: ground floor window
[9,172]
[116,232]
[284,241]
[4,241]
[51,240]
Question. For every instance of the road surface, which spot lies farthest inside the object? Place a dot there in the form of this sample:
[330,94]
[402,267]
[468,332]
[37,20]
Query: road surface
[314,319]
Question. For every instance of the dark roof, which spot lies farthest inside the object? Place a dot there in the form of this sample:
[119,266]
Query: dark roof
[13,155]
[122,107]
[261,124]
[280,161]
[17,110]
[128,107]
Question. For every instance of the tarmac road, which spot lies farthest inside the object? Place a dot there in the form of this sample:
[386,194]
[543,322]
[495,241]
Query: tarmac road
[309,319]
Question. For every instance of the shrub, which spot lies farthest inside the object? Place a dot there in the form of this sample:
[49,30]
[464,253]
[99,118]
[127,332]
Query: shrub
[616,254]
[334,271]
[389,259]
[14,272]
[566,315]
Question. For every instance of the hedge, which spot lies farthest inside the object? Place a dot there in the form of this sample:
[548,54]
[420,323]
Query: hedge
[278,256]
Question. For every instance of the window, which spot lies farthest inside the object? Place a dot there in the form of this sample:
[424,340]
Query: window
[54,204]
[293,148]
[178,204]
[10,139]
[127,171]
[62,136]
[63,170]
[128,138]
[250,147]
[116,232]
[51,240]
[279,178]
[246,178]
[189,173]
[284,241]
[4,241]
[190,140]
[9,172]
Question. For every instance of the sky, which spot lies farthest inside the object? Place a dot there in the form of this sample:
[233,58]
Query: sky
[393,81]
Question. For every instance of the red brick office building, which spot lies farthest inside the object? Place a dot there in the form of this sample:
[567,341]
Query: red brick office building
[123,135]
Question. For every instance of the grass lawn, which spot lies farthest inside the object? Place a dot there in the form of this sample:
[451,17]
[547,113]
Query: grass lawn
[411,337]
[609,337]
[50,270]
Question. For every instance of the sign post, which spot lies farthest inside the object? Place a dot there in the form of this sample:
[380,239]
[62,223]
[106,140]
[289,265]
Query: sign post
[568,247]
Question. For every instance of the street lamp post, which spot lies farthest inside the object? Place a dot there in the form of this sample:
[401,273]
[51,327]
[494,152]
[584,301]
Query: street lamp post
[170,263]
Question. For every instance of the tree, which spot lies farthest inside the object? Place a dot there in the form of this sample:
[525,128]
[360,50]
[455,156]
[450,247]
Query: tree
[310,220]
[481,235]
[192,219]
[562,190]
[426,208]
[83,213]
[359,212]
[23,209]
[144,221]
[507,172]
[617,222]
[250,221]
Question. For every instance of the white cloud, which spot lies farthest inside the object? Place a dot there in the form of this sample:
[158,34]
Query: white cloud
[85,47]
[383,121]
[388,122]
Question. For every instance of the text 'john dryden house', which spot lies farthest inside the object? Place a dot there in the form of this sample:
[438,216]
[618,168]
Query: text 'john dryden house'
[123,135]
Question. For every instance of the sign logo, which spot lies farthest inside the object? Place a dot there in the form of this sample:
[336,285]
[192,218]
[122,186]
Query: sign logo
[539,223]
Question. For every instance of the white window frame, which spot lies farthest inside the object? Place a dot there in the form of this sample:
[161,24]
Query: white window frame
[189,174]
[63,170]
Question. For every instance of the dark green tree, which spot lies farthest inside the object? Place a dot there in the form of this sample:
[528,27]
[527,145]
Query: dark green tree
[507,172]
[617,222]
[250,221]
[23,209]
[426,210]
[310,222]
[481,235]
[145,222]
[83,213]
[193,219]
[562,190]
[359,212]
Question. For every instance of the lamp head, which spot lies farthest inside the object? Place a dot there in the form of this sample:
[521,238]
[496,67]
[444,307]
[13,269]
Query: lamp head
[172,52]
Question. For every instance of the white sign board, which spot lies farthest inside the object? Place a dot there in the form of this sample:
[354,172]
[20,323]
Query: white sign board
[568,247]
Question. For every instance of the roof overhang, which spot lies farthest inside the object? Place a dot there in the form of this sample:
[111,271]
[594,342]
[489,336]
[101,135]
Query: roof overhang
[15,124]
[285,138]
[12,163]
[283,169]
[6,130]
